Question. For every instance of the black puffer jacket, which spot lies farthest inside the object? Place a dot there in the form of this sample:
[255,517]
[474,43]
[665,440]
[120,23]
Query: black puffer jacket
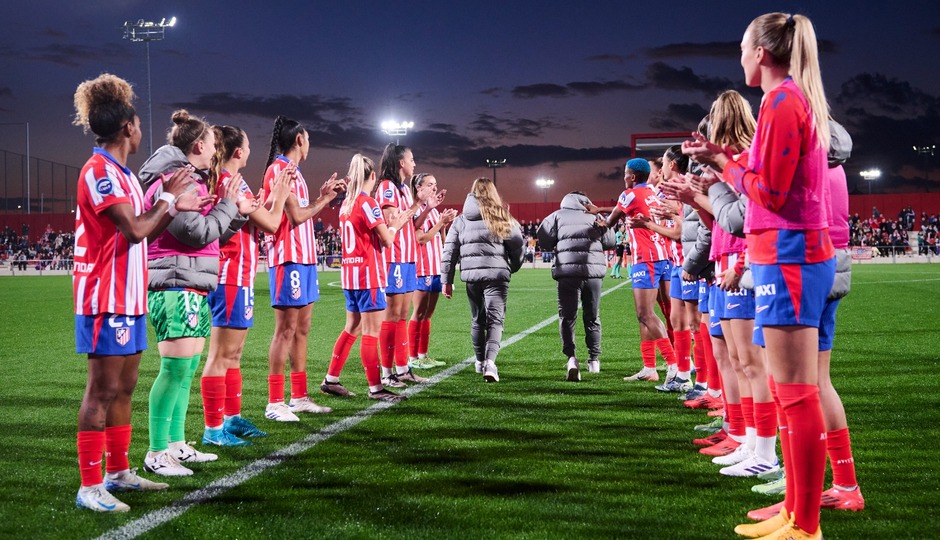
[482,255]
[578,244]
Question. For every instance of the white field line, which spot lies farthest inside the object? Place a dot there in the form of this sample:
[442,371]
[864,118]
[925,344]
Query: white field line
[154,519]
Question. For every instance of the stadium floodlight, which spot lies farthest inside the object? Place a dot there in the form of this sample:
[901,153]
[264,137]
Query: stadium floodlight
[147,31]
[871,175]
[495,164]
[545,184]
[396,129]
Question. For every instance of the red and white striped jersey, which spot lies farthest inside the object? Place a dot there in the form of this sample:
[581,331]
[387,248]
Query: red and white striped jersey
[110,272]
[429,255]
[647,245]
[238,258]
[403,248]
[364,265]
[288,243]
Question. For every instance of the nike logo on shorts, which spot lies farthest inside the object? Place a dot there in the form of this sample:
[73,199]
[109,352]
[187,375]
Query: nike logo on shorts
[761,308]
[732,306]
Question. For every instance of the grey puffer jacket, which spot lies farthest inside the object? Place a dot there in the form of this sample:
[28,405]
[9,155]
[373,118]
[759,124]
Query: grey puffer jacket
[482,255]
[192,231]
[578,243]
[728,207]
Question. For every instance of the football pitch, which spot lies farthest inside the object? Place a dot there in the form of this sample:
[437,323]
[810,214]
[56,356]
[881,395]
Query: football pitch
[530,457]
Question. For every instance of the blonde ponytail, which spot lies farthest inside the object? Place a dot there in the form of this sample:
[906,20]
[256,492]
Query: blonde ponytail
[360,169]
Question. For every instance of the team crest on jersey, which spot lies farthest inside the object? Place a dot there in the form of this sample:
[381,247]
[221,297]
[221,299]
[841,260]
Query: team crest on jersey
[295,293]
[388,193]
[249,312]
[376,213]
[192,319]
[122,336]
[104,186]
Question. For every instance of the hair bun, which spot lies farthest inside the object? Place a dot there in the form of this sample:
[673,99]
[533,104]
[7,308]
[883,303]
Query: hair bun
[180,116]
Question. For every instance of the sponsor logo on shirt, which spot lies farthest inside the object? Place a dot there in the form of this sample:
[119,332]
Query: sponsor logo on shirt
[104,186]
[376,213]
[304,203]
[388,193]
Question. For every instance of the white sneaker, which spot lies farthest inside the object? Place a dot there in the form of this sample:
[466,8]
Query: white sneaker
[280,412]
[594,366]
[98,499]
[128,480]
[574,370]
[164,464]
[645,374]
[490,373]
[741,453]
[751,467]
[478,366]
[305,404]
[187,454]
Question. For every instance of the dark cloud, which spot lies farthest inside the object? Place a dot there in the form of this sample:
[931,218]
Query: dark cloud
[442,127]
[522,155]
[53,33]
[877,94]
[69,55]
[6,92]
[594,88]
[541,90]
[410,96]
[513,127]
[679,117]
[715,49]
[495,91]
[614,174]
[615,58]
[666,77]
[311,109]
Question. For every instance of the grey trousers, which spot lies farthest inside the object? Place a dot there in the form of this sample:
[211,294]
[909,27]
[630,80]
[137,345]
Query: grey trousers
[487,311]
[587,292]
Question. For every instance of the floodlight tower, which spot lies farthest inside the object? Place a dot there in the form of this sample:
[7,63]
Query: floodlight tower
[148,31]
[396,129]
[495,164]
[545,184]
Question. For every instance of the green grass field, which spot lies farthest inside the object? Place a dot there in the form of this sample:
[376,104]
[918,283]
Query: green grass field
[530,457]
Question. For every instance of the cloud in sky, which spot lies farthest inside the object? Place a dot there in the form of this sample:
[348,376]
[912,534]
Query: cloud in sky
[679,117]
[68,55]
[528,155]
[615,58]
[312,109]
[878,94]
[714,49]
[493,126]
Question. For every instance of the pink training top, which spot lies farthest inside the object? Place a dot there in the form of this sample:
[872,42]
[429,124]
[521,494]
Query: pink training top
[839,216]
[785,176]
[166,245]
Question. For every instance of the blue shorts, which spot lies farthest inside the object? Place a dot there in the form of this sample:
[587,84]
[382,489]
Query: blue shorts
[365,300]
[714,321]
[680,289]
[430,284]
[294,285]
[402,278]
[703,293]
[827,325]
[110,335]
[734,305]
[232,306]
[792,294]
[647,275]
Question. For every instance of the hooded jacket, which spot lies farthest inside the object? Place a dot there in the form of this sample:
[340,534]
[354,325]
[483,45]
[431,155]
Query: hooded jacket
[186,254]
[482,255]
[578,243]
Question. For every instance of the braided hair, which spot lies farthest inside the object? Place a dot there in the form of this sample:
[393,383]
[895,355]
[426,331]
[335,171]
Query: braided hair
[283,137]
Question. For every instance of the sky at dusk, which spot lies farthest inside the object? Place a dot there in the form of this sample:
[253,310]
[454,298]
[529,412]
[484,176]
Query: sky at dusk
[555,88]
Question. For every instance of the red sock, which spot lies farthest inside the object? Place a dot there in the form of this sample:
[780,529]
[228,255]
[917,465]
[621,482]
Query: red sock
[341,350]
[714,376]
[784,446]
[213,399]
[839,447]
[401,343]
[747,411]
[735,415]
[665,349]
[90,456]
[765,418]
[117,442]
[275,388]
[387,343]
[368,350]
[424,336]
[233,392]
[414,331]
[648,353]
[298,384]
[698,356]
[808,449]
[683,349]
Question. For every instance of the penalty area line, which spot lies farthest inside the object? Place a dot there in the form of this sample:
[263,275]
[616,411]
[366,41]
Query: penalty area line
[155,518]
